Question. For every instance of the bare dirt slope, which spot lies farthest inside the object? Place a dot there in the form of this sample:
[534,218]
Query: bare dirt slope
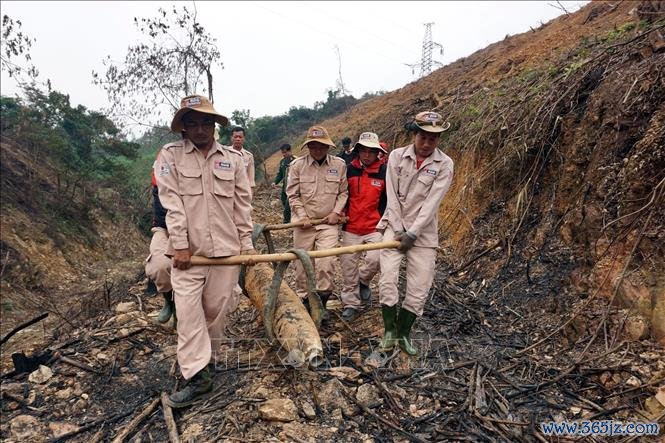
[57,254]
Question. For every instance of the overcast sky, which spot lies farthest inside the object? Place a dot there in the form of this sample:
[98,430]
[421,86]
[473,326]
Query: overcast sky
[275,54]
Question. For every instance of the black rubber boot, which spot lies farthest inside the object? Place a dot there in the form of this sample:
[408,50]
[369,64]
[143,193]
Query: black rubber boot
[349,314]
[198,385]
[405,321]
[389,327]
[169,308]
[324,296]
[151,288]
[365,291]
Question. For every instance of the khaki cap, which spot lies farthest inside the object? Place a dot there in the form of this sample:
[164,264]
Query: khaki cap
[318,134]
[430,121]
[195,103]
[369,140]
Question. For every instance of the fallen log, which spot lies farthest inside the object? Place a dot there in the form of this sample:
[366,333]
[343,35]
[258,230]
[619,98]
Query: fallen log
[122,436]
[289,256]
[292,325]
[168,419]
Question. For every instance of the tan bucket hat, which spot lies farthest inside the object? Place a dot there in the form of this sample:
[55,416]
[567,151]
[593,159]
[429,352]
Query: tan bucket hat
[369,140]
[195,103]
[318,134]
[430,121]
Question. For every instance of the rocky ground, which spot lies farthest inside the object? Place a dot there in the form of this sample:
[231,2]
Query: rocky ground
[497,358]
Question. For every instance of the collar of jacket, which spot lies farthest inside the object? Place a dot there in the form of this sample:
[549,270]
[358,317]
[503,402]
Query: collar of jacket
[311,160]
[410,151]
[189,147]
[373,168]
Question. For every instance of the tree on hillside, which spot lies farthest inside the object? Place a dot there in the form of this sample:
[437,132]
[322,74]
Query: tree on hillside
[79,145]
[176,60]
[15,44]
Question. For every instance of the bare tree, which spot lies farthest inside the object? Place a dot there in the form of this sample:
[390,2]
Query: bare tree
[176,60]
[15,44]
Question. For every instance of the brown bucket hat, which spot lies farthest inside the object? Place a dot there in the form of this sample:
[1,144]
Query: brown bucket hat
[430,121]
[195,103]
[318,134]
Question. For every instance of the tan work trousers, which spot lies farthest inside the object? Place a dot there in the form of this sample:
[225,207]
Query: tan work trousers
[158,265]
[352,272]
[319,237]
[203,297]
[420,264]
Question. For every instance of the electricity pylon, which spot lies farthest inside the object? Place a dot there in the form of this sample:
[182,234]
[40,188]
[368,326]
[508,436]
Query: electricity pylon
[426,61]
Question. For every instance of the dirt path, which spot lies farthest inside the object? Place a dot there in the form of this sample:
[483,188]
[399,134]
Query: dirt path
[473,379]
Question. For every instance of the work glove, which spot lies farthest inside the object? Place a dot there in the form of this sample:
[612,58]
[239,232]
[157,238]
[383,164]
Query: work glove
[406,240]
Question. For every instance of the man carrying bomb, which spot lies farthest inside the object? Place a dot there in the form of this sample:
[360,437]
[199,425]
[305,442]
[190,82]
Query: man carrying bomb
[367,201]
[417,179]
[317,188]
[205,189]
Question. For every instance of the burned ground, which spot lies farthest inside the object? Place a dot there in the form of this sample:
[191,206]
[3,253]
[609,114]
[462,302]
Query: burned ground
[482,374]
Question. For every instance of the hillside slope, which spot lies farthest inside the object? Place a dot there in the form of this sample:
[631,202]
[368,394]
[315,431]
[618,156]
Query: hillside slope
[559,147]
[61,253]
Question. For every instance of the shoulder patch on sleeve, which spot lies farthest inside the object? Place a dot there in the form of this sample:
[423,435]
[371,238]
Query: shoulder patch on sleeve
[164,169]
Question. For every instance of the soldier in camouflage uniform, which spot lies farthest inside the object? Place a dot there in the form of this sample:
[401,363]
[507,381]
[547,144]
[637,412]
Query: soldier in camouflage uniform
[282,175]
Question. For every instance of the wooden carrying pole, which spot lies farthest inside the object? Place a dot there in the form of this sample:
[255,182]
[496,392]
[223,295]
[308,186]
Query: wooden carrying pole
[289,256]
[318,221]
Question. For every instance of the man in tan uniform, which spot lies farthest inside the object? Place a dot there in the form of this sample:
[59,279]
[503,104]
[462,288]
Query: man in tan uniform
[317,188]
[204,188]
[417,179]
[238,143]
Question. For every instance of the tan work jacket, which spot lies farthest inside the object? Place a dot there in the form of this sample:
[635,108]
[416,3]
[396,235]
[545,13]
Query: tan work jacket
[248,161]
[207,199]
[315,190]
[414,194]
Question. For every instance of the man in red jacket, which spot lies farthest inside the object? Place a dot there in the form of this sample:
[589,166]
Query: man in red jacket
[366,175]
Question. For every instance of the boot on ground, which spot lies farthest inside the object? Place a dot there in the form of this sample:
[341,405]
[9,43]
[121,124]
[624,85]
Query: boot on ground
[365,292]
[198,385]
[169,307]
[389,314]
[349,314]
[405,321]
[324,296]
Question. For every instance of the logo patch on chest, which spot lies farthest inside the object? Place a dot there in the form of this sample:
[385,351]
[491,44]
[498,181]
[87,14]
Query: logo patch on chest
[430,172]
[375,182]
[222,165]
